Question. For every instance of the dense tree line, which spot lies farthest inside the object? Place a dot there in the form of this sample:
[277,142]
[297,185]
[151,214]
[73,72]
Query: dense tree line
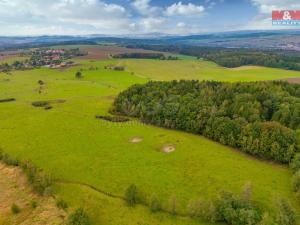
[235,57]
[143,55]
[260,118]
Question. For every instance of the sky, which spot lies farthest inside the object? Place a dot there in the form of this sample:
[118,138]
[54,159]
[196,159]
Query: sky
[136,17]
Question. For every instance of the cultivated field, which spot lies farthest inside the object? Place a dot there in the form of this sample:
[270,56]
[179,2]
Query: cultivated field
[94,161]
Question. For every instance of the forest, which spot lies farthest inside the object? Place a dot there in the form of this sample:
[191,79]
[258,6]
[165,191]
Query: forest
[229,57]
[140,55]
[260,118]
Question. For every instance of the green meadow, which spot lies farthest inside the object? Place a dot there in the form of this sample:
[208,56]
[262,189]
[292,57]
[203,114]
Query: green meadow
[202,70]
[81,152]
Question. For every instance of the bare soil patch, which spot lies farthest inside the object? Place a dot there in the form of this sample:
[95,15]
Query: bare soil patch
[15,190]
[169,148]
[136,139]
[104,52]
[293,80]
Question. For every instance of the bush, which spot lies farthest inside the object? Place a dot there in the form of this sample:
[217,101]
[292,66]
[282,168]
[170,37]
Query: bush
[41,181]
[295,163]
[15,209]
[285,213]
[9,160]
[173,205]
[61,204]
[40,82]
[198,208]
[79,217]
[41,104]
[267,220]
[155,204]
[232,210]
[7,100]
[78,75]
[34,204]
[296,181]
[132,195]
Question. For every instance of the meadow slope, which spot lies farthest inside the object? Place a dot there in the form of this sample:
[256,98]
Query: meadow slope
[68,142]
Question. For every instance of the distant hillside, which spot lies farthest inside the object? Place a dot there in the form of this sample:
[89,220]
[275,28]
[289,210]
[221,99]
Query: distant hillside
[283,39]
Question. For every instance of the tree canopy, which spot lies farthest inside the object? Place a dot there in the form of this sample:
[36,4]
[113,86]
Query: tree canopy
[260,118]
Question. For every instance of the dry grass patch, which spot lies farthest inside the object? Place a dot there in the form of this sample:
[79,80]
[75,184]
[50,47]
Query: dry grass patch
[34,209]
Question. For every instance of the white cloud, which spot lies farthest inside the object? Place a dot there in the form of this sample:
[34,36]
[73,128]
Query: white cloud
[181,25]
[266,6]
[152,24]
[144,8]
[38,17]
[179,9]
[92,14]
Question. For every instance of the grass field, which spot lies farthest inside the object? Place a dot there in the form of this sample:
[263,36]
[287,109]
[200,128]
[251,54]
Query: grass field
[80,151]
[202,70]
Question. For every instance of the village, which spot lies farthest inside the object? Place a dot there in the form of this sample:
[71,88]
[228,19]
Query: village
[49,58]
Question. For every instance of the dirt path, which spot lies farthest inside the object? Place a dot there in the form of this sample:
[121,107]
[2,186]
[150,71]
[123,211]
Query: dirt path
[14,189]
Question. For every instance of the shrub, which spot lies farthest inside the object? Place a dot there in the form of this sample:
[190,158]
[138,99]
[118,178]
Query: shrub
[285,213]
[34,204]
[267,220]
[9,160]
[155,204]
[15,209]
[79,217]
[41,181]
[296,181]
[232,210]
[173,205]
[248,217]
[78,75]
[194,208]
[7,100]
[41,104]
[1,153]
[131,195]
[61,204]
[40,82]
[295,163]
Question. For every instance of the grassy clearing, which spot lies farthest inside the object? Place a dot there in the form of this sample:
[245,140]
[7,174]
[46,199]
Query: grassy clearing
[202,70]
[68,142]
